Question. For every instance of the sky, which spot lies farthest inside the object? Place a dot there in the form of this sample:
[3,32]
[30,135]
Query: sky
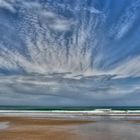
[70,52]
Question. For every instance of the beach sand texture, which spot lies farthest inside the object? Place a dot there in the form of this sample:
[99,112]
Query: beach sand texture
[27,128]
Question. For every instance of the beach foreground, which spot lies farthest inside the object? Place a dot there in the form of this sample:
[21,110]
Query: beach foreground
[28,128]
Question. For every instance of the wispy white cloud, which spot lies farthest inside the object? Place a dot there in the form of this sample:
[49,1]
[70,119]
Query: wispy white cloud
[61,25]
[7,5]
[126,21]
[93,10]
[49,51]
[55,89]
[55,21]
[128,68]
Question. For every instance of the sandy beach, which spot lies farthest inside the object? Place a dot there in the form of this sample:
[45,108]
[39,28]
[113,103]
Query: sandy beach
[27,128]
[23,128]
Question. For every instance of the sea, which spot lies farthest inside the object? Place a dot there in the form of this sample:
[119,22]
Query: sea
[75,112]
[71,108]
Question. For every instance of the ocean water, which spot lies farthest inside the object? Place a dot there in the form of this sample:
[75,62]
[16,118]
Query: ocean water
[82,113]
[70,108]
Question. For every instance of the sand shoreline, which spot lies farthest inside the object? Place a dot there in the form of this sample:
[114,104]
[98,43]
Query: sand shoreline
[22,128]
[34,128]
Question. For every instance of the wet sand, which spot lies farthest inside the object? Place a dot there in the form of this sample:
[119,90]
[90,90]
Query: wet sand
[24,128]
[27,128]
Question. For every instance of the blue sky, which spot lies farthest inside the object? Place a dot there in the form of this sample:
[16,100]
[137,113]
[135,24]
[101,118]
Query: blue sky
[69,52]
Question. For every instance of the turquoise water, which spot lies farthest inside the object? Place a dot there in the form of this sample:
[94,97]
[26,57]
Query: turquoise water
[66,108]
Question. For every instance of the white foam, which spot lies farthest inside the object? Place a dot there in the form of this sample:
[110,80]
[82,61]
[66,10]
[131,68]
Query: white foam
[63,113]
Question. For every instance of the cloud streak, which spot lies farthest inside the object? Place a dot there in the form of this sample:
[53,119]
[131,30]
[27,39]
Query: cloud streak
[57,87]
[7,5]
